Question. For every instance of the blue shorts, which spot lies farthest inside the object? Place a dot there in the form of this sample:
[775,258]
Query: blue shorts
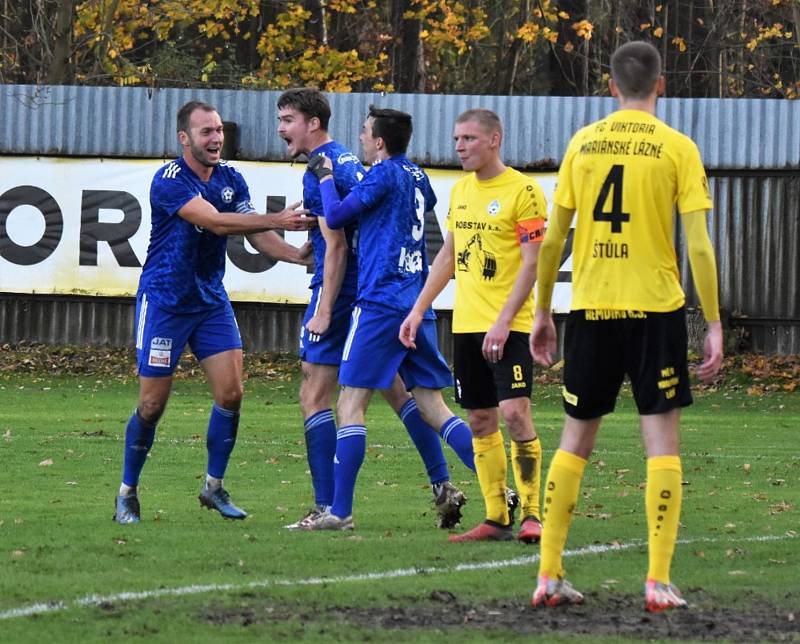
[373,353]
[326,348]
[161,335]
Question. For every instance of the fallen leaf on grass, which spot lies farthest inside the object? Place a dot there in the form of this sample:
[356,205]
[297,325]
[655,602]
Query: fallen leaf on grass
[782,506]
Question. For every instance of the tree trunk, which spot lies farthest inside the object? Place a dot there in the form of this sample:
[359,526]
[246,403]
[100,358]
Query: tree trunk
[107,24]
[60,72]
[516,49]
[407,64]
[315,25]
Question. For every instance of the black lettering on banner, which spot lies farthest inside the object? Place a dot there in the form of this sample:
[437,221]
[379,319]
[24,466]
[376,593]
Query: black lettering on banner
[244,259]
[433,236]
[566,276]
[615,216]
[53,225]
[117,234]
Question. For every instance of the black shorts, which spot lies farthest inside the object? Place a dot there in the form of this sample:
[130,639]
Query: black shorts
[481,384]
[601,347]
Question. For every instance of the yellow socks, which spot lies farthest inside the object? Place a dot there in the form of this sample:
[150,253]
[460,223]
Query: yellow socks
[526,461]
[560,498]
[663,506]
[491,467]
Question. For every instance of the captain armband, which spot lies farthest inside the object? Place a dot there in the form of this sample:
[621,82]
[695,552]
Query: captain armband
[530,231]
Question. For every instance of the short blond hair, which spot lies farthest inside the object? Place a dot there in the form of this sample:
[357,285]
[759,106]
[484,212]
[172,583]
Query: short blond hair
[485,118]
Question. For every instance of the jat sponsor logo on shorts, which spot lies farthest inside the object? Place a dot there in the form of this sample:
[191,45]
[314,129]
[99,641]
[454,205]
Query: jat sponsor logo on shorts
[160,352]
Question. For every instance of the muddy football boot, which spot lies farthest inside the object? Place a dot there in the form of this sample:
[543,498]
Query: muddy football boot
[659,597]
[554,592]
[448,500]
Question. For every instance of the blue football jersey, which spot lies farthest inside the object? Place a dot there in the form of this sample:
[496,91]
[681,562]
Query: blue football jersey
[347,172]
[185,263]
[392,260]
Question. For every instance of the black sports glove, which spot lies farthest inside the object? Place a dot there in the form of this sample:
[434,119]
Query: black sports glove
[315,165]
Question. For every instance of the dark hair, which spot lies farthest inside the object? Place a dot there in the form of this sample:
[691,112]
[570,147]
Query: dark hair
[393,126]
[185,113]
[309,101]
[635,68]
[487,119]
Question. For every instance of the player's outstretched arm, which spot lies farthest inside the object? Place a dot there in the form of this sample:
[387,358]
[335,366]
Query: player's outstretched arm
[275,247]
[543,335]
[332,276]
[201,213]
[441,272]
[339,212]
[550,254]
[704,275]
[495,339]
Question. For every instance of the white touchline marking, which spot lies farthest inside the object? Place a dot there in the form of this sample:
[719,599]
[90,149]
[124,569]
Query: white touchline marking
[97,600]
[161,441]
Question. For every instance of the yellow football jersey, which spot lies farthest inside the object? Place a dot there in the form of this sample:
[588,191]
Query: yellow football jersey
[625,174]
[488,221]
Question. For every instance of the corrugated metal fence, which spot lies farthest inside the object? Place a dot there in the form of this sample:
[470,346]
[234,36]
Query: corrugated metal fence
[751,149]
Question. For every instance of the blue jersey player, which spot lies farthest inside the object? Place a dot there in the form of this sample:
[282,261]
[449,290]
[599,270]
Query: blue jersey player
[389,205]
[303,117]
[196,201]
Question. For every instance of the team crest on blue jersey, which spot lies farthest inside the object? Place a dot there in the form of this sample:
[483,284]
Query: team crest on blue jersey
[227,194]
[347,157]
[493,208]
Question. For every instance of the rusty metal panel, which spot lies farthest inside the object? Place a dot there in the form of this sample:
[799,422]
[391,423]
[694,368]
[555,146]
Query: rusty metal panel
[140,122]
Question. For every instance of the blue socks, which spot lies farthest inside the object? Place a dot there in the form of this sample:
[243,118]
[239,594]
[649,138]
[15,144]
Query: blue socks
[457,434]
[320,434]
[426,441]
[351,445]
[222,428]
[138,441]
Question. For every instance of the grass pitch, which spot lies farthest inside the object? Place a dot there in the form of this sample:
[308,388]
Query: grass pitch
[70,574]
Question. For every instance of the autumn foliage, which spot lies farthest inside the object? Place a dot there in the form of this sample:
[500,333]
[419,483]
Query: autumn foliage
[719,48]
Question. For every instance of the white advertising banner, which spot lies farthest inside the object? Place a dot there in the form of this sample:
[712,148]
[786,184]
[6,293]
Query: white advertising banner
[81,227]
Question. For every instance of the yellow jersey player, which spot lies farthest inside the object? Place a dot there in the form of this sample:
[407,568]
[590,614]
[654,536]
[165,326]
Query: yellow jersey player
[624,176]
[494,229]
